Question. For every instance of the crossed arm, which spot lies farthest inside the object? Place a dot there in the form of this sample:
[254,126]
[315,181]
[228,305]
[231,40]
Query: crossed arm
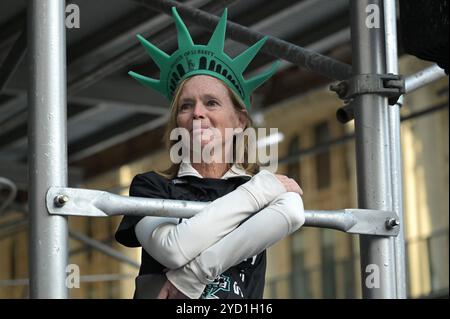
[202,247]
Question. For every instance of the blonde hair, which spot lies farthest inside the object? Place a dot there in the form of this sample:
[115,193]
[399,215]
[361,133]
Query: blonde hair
[239,107]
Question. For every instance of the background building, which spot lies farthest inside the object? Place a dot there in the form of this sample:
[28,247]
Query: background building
[115,131]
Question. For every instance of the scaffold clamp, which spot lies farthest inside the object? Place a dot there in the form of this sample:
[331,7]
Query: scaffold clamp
[389,85]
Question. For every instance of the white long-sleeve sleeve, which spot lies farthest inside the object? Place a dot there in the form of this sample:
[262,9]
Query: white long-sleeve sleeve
[282,217]
[174,245]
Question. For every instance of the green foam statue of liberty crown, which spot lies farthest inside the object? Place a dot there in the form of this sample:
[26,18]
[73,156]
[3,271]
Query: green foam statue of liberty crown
[191,59]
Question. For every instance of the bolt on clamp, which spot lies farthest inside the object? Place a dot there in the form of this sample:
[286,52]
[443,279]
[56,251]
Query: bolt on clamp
[389,85]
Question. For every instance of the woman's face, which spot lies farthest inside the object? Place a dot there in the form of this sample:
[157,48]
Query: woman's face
[206,100]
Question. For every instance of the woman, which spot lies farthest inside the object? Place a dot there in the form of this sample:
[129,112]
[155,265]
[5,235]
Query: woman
[220,252]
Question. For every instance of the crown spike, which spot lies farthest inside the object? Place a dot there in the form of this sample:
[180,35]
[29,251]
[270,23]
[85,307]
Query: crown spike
[149,82]
[218,38]
[191,59]
[160,57]
[243,60]
[253,83]
[184,38]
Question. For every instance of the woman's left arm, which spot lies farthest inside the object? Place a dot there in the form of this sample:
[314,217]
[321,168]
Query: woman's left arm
[282,217]
[175,245]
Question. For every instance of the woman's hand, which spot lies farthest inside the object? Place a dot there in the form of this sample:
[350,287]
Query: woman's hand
[169,291]
[290,184]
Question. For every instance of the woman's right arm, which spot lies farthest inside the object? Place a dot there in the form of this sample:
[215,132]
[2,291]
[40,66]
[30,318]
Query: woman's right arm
[174,245]
[282,217]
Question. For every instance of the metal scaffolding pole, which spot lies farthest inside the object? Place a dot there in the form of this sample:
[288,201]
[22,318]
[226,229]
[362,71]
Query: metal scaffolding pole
[48,146]
[372,151]
[423,77]
[390,23]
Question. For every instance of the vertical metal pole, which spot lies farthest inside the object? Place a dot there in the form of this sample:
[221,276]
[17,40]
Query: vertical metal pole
[48,146]
[372,151]
[390,22]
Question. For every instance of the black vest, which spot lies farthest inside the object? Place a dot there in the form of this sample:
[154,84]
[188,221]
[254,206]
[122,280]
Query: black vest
[245,280]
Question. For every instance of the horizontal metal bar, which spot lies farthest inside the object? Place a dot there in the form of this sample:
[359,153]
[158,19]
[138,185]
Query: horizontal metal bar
[320,46]
[423,77]
[95,203]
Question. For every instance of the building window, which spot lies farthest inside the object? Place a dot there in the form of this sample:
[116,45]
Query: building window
[13,257]
[300,287]
[437,249]
[348,265]
[89,286]
[90,234]
[112,286]
[328,264]
[322,135]
[293,169]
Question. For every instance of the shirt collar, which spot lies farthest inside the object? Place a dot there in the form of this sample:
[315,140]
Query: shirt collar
[186,169]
